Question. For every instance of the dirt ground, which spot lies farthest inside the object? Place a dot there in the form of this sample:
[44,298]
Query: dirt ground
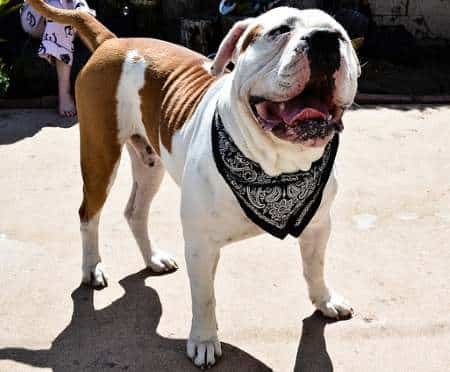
[389,255]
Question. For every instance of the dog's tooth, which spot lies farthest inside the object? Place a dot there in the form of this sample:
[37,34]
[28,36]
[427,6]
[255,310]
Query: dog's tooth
[282,106]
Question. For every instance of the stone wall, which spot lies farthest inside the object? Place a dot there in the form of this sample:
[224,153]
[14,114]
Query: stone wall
[427,20]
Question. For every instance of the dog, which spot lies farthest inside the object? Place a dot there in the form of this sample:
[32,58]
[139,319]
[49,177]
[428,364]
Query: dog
[252,149]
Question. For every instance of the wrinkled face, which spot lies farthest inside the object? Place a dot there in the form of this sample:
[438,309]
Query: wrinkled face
[295,73]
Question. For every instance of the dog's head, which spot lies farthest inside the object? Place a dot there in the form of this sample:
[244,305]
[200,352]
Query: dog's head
[295,73]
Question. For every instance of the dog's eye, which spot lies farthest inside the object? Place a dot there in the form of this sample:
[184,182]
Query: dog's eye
[284,29]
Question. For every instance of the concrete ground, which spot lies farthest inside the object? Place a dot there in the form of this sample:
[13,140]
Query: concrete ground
[389,255]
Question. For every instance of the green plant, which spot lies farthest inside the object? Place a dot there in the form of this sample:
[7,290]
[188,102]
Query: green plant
[6,7]
[4,79]
[9,6]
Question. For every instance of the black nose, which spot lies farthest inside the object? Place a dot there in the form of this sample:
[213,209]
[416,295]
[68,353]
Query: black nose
[323,51]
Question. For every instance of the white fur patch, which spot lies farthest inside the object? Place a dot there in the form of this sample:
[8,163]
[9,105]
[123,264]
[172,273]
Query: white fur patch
[132,80]
[91,254]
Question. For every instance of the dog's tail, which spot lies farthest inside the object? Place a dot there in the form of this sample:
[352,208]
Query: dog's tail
[92,32]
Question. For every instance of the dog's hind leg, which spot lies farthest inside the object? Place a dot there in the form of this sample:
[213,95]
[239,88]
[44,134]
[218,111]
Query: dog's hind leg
[148,172]
[99,163]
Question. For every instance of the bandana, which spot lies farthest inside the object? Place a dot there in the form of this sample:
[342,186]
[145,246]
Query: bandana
[280,205]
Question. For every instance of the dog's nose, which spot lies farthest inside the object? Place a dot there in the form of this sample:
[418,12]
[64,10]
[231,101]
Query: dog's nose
[323,51]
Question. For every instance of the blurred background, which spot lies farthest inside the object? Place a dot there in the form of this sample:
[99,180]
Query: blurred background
[405,48]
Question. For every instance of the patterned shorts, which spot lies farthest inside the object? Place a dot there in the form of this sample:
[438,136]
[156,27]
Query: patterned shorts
[56,39]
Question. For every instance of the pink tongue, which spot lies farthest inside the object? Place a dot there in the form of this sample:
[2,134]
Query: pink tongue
[293,111]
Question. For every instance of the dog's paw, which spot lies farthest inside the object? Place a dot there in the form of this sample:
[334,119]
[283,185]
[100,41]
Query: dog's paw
[95,277]
[204,354]
[335,306]
[161,262]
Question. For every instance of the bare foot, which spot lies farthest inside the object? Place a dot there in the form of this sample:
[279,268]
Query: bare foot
[67,106]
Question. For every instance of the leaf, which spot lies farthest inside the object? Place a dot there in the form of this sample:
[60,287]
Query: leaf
[4,3]
[358,42]
[12,9]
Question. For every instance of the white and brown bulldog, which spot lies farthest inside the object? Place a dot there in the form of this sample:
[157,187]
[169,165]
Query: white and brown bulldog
[270,123]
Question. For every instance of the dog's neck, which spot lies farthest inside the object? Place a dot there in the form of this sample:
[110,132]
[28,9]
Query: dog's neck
[274,155]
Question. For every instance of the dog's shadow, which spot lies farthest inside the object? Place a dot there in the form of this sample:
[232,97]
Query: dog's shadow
[312,354]
[121,337]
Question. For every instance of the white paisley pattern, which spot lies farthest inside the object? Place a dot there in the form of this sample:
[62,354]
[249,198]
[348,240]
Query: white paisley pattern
[280,205]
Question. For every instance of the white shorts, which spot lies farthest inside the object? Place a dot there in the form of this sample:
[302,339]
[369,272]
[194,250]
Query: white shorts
[57,39]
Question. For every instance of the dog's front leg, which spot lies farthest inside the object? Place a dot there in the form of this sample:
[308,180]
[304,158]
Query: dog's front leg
[313,243]
[202,256]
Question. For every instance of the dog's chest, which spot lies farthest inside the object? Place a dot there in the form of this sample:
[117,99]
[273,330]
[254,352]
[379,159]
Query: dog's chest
[229,222]
[209,208]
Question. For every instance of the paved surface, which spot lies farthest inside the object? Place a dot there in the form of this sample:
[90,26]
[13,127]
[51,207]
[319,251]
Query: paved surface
[389,255]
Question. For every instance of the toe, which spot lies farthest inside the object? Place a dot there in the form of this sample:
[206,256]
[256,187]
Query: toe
[162,262]
[170,263]
[344,310]
[336,307]
[200,359]
[96,278]
[218,348]
[190,349]
[156,266]
[328,310]
[203,354]
[210,359]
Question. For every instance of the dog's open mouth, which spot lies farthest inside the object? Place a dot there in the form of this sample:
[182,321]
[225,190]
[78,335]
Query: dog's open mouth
[310,117]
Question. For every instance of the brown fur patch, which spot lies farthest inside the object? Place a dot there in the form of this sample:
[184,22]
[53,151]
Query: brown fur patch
[95,90]
[175,82]
[250,37]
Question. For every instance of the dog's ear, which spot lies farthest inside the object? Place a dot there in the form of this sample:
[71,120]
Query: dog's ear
[227,47]
[356,44]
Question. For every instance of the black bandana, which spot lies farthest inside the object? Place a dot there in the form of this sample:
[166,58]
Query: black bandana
[280,205]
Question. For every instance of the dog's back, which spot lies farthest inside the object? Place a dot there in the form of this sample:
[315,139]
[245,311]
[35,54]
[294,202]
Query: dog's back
[123,73]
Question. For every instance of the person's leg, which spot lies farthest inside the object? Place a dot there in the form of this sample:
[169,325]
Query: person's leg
[64,62]
[57,47]
[66,105]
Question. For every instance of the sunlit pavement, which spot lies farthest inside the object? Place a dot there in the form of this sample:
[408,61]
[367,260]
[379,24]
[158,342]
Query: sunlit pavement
[389,255]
